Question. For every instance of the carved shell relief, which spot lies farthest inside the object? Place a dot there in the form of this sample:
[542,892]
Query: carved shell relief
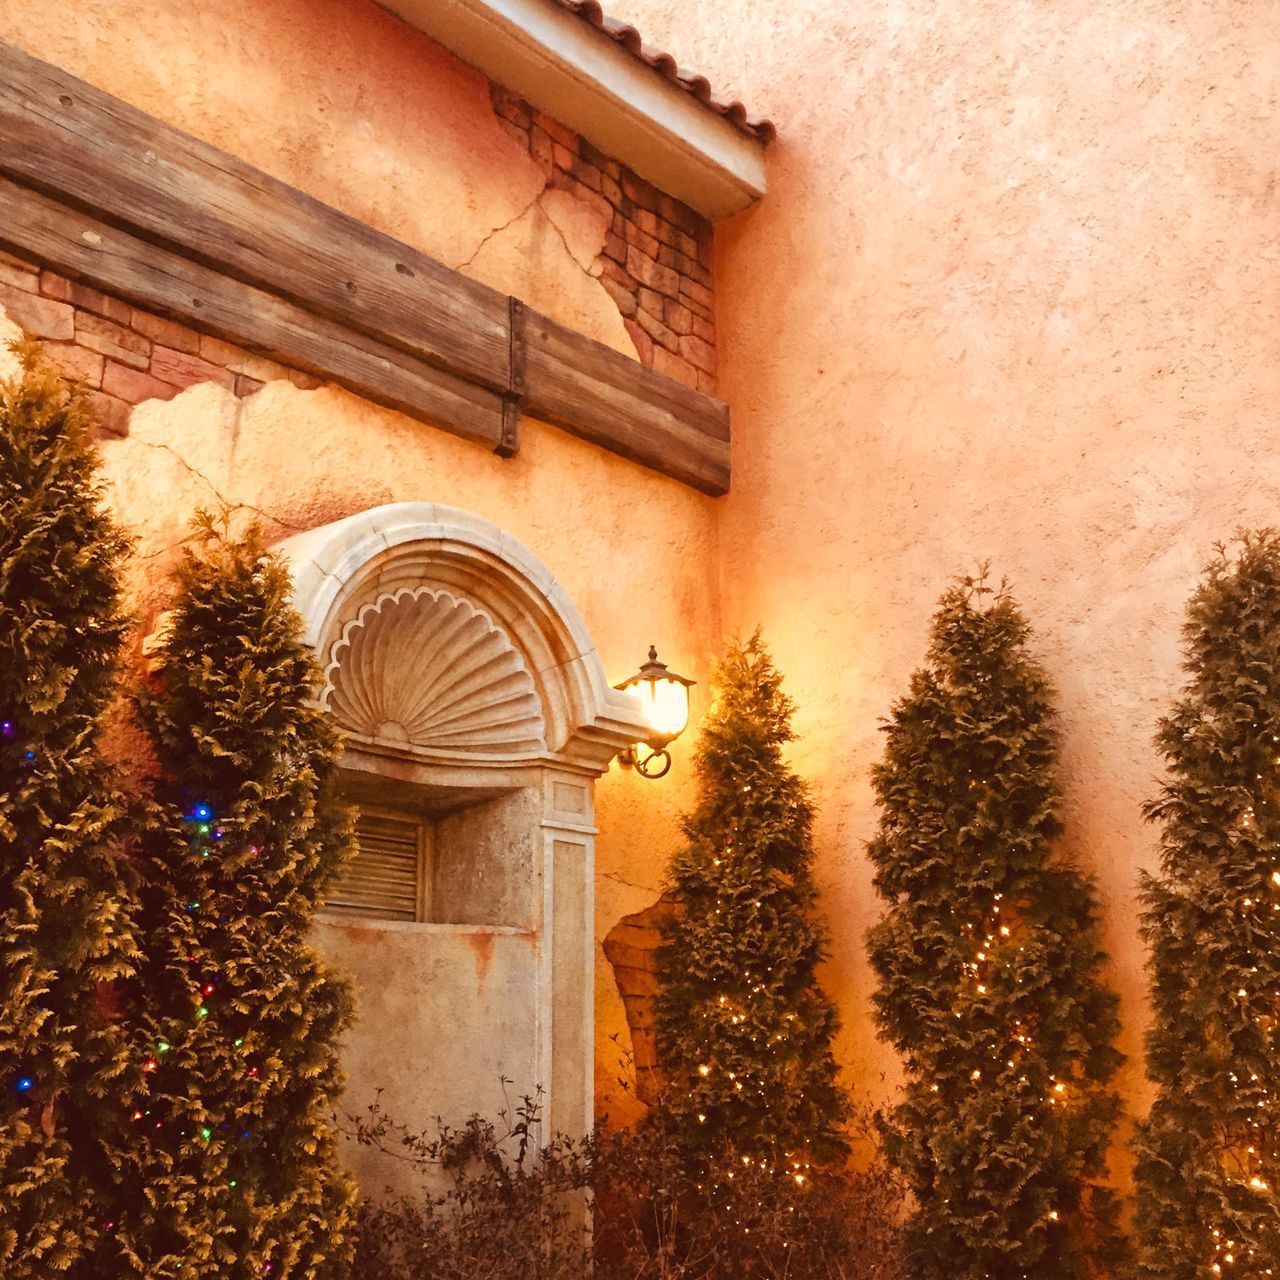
[420,667]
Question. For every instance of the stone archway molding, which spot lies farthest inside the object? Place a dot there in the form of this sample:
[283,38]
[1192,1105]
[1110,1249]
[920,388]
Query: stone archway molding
[469,693]
[350,568]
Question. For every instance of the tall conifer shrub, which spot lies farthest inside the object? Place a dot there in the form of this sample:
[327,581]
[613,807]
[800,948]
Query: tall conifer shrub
[744,1031]
[1208,1169]
[65,934]
[231,1145]
[987,958]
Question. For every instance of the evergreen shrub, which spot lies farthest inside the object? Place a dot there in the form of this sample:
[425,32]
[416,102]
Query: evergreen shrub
[988,964]
[66,937]
[231,1145]
[1208,1156]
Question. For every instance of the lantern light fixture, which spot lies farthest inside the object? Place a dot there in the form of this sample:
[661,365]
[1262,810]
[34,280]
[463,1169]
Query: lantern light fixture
[664,698]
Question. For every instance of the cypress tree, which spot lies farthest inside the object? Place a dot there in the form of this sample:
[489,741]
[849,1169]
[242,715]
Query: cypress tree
[744,1031]
[231,1145]
[1208,1162]
[987,958]
[65,933]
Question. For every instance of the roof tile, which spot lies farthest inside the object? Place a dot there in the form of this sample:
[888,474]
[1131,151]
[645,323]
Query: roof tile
[664,64]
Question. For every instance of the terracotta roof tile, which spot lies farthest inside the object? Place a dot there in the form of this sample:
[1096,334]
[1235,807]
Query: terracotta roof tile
[665,65]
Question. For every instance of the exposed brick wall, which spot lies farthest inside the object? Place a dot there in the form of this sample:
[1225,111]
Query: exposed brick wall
[632,949]
[657,255]
[121,355]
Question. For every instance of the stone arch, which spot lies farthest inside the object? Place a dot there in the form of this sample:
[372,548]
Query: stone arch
[474,705]
[343,567]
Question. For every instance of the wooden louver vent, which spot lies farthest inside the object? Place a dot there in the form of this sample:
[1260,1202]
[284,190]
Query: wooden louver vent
[385,879]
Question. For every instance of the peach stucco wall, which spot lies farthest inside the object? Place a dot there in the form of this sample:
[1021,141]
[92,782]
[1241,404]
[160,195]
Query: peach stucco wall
[349,104]
[1012,294]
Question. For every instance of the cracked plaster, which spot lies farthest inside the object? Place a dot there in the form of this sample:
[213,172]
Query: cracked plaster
[360,111]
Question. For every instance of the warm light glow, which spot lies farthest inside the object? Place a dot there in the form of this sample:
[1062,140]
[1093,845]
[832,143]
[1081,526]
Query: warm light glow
[665,703]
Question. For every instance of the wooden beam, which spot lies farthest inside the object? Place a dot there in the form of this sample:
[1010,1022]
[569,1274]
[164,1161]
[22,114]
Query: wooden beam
[86,148]
[87,249]
[597,394]
[106,194]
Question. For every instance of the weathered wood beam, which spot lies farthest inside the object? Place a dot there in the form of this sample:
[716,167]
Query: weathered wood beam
[594,392]
[106,194]
[86,148]
[85,248]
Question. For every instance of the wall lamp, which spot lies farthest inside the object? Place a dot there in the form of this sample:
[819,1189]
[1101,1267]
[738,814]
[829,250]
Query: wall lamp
[664,697]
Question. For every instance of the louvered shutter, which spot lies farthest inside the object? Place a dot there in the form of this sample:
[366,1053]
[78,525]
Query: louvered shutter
[383,880]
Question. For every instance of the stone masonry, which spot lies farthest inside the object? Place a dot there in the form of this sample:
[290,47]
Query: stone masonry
[121,355]
[656,264]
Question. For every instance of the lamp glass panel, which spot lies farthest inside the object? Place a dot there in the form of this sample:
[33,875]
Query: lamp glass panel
[666,706]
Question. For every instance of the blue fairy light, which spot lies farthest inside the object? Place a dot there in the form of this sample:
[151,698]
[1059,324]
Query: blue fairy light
[202,813]
[25,1084]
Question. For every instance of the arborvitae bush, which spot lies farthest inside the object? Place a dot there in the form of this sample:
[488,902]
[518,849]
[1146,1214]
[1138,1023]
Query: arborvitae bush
[744,1030]
[1208,1168]
[231,1145]
[988,961]
[65,933]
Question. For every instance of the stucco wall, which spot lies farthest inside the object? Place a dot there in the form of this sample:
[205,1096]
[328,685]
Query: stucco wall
[350,105]
[1012,294]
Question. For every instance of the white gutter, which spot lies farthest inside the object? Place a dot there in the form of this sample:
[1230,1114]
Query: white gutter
[577,74]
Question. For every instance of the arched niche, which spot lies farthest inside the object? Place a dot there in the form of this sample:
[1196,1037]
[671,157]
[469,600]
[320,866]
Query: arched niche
[474,705]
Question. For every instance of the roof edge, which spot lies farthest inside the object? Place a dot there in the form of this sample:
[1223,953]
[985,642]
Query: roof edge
[623,102]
